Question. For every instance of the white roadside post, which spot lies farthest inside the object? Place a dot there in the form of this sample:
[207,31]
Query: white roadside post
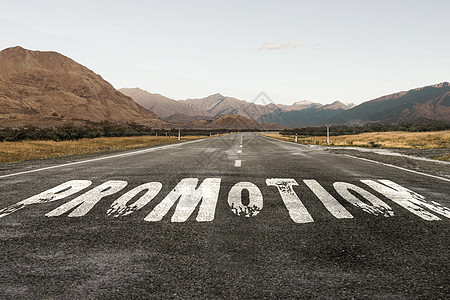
[179,134]
[296,137]
[328,133]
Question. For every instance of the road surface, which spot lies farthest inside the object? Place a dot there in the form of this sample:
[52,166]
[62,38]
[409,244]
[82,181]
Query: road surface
[239,216]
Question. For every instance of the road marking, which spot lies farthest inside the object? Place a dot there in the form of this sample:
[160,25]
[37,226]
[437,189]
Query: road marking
[245,199]
[240,146]
[58,192]
[239,151]
[330,203]
[84,203]
[254,202]
[400,168]
[237,163]
[297,211]
[120,207]
[190,196]
[377,206]
[408,199]
[101,158]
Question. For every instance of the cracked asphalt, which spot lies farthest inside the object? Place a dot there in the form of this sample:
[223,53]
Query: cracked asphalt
[265,256]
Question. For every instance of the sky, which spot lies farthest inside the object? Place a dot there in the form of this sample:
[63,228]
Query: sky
[321,51]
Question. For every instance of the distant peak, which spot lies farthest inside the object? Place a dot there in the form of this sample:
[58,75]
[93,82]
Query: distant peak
[337,102]
[336,105]
[303,103]
[441,85]
[217,95]
[16,48]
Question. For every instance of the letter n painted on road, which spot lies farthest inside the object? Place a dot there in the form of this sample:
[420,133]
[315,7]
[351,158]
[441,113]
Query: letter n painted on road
[190,197]
[59,192]
[296,209]
[84,203]
[408,199]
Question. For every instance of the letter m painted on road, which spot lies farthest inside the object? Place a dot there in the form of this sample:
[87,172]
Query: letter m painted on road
[189,198]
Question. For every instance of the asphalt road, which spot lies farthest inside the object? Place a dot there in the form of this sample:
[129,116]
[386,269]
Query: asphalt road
[259,229]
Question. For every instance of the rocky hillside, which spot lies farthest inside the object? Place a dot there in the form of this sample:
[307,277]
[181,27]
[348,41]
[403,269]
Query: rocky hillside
[425,103]
[49,89]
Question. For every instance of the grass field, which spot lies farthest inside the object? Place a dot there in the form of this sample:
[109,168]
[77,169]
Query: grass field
[27,150]
[391,139]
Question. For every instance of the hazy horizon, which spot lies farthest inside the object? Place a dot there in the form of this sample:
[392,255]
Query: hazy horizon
[322,51]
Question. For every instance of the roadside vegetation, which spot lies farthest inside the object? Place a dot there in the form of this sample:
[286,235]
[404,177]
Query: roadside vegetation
[70,132]
[27,150]
[374,127]
[391,139]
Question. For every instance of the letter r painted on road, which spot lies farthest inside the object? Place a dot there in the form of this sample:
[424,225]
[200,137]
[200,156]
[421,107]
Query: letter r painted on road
[85,202]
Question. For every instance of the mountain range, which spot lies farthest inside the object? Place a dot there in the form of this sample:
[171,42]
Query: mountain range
[50,89]
[426,103]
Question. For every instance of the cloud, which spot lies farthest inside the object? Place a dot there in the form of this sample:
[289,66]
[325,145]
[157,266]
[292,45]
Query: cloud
[286,45]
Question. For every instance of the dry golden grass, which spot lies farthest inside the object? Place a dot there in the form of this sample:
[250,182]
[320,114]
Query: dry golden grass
[26,150]
[392,139]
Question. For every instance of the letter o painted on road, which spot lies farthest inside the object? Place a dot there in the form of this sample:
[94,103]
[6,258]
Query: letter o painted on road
[255,201]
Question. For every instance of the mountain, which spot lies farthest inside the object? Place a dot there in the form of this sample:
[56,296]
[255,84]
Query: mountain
[425,103]
[234,122]
[50,89]
[219,105]
[182,118]
[301,113]
[231,121]
[164,107]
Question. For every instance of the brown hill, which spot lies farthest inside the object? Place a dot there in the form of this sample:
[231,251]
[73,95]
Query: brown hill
[49,89]
[183,118]
[234,122]
[425,103]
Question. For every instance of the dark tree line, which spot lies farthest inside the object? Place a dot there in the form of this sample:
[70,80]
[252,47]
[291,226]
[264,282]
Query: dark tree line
[104,129]
[374,127]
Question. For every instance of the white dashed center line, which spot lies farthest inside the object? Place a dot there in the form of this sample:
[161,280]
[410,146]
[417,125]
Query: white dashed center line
[237,163]
[239,151]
